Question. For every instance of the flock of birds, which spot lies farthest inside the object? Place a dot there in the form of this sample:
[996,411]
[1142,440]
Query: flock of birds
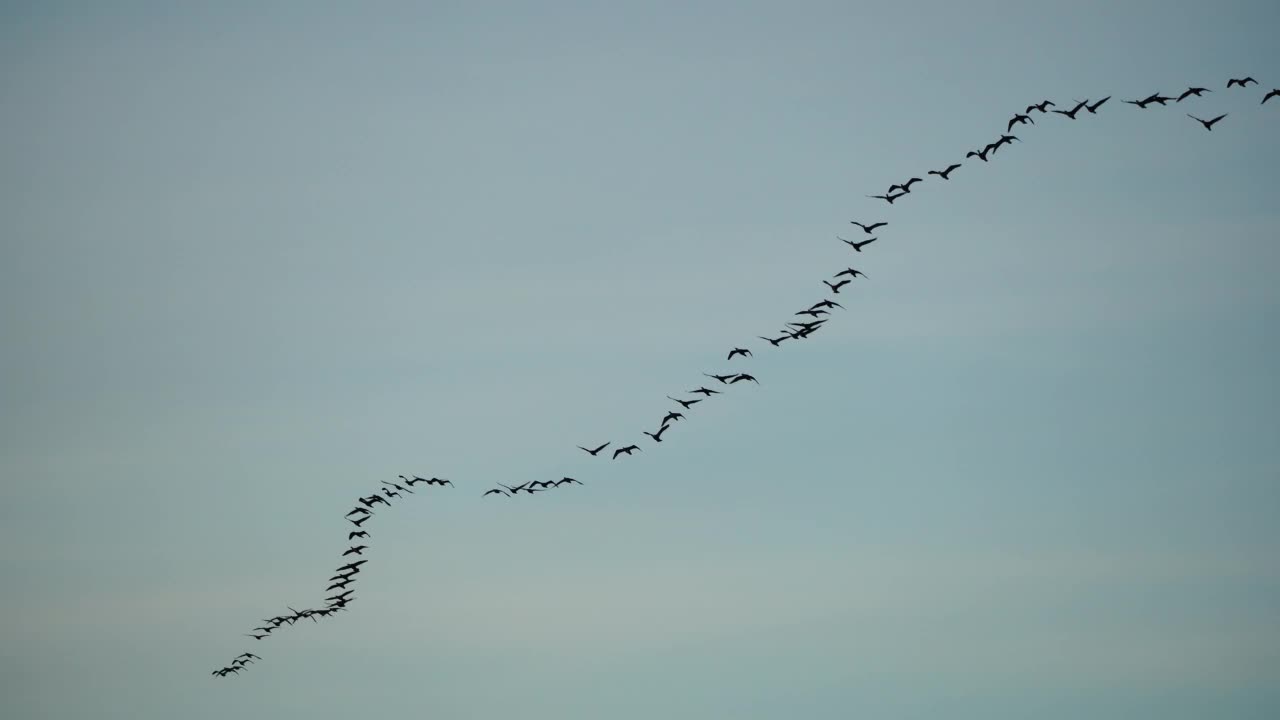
[818,314]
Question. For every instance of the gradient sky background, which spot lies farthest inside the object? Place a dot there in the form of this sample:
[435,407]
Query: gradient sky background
[259,256]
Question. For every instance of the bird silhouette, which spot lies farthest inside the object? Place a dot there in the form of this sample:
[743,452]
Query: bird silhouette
[826,303]
[945,174]
[738,351]
[355,550]
[349,566]
[397,487]
[338,585]
[595,452]
[390,493]
[1072,112]
[703,391]
[1208,124]
[657,437]
[857,247]
[672,417]
[1242,82]
[359,522]
[566,481]
[887,198]
[721,378]
[1094,107]
[1019,119]
[1041,106]
[905,187]
[773,341]
[813,313]
[412,482]
[1197,91]
[256,637]
[357,534]
[498,491]
[1005,140]
[744,377]
[684,403]
[1268,96]
[440,481]
[982,155]
[366,511]
[625,451]
[868,229]
[836,288]
[249,655]
[851,272]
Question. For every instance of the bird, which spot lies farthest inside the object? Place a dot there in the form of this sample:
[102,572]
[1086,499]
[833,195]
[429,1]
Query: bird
[813,313]
[703,391]
[827,304]
[625,451]
[1072,112]
[857,247]
[851,273]
[1019,119]
[394,485]
[256,637]
[1274,93]
[657,437]
[836,288]
[672,416]
[1208,124]
[1197,91]
[983,154]
[684,403]
[500,491]
[409,482]
[440,481]
[355,550]
[738,351]
[358,510]
[357,534]
[1094,107]
[887,198]
[743,376]
[359,522]
[1005,140]
[868,229]
[348,566]
[249,655]
[905,187]
[566,481]
[595,452]
[338,585]
[772,341]
[1040,106]
[945,174]
[390,493]
[1242,82]
[721,378]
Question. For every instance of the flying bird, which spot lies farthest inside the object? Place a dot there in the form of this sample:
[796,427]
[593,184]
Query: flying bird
[857,247]
[566,481]
[1268,96]
[657,437]
[1019,119]
[359,522]
[625,451]
[703,391]
[905,187]
[813,313]
[1197,91]
[256,637]
[983,154]
[355,550]
[887,198]
[357,534]
[827,304]
[1041,106]
[945,174]
[721,378]
[772,341]
[738,351]
[743,376]
[672,417]
[1242,82]
[836,288]
[1072,112]
[684,403]
[1208,124]
[868,229]
[500,491]
[396,486]
[595,452]
[1094,107]
[851,273]
[348,566]
[358,510]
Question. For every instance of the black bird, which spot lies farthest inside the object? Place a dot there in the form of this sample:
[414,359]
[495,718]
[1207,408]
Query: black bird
[743,376]
[390,493]
[1006,140]
[1040,106]
[868,229]
[887,198]
[625,451]
[827,304]
[440,481]
[355,550]
[249,655]
[338,585]
[1197,91]
[267,629]
[1072,112]
[836,288]
[983,155]
[1242,82]
[857,247]
[945,174]
[595,452]
[672,417]
[1268,96]
[256,637]
[657,437]
[851,273]
[704,391]
[813,313]
[497,490]
[1019,120]
[1094,107]
[340,596]
[566,481]
[357,534]
[1208,124]
[349,566]
[721,378]
[905,187]
[772,341]
[516,490]
[358,510]
[684,403]
[359,522]
[409,482]
[808,325]
[394,485]
[738,351]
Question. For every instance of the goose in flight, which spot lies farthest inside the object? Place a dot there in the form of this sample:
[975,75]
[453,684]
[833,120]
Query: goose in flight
[398,487]
[721,378]
[440,481]
[851,272]
[625,451]
[1094,107]
[887,198]
[357,534]
[1019,119]
[595,452]
[359,522]
[703,391]
[738,351]
[672,416]
[366,511]
[813,313]
[743,377]
[256,637]
[868,229]
[566,481]
[683,403]
[945,174]
[1274,93]
[905,187]
[836,288]
[1072,112]
[1242,82]
[355,550]
[1208,124]
[1041,106]
[349,566]
[827,304]
[773,341]
[657,437]
[497,491]
[982,155]
[857,247]
[1196,91]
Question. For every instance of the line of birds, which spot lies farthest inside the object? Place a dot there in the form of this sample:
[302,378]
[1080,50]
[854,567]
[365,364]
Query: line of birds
[818,312]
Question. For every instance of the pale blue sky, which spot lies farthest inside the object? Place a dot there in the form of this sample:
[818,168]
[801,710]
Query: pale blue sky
[258,257]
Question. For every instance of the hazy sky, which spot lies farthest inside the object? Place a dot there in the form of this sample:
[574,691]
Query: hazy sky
[257,257]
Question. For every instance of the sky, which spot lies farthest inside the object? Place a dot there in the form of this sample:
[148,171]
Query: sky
[256,258]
